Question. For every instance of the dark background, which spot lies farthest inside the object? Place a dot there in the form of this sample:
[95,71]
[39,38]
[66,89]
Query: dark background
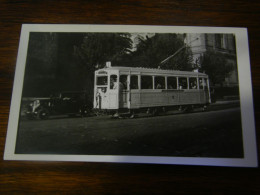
[98,178]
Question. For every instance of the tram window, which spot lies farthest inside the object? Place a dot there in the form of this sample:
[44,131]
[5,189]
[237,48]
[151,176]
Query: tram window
[102,80]
[159,82]
[171,83]
[123,82]
[206,83]
[183,84]
[193,83]
[201,83]
[113,82]
[146,82]
[134,82]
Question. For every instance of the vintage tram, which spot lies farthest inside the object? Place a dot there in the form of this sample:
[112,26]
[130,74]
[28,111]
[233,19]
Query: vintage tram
[133,88]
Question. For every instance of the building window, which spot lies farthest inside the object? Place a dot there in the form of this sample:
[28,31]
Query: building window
[220,41]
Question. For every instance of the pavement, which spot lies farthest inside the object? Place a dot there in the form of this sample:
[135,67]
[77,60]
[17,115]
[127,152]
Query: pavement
[226,102]
[213,133]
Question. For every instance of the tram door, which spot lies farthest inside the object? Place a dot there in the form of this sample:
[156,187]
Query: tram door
[123,91]
[101,98]
[207,90]
[204,92]
[106,90]
[114,86]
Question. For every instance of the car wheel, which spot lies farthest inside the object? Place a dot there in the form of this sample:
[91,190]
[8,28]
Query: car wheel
[84,112]
[43,114]
[29,117]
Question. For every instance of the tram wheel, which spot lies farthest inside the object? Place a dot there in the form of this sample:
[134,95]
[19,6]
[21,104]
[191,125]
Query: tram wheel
[155,112]
[164,110]
[204,108]
[43,114]
[187,108]
[190,108]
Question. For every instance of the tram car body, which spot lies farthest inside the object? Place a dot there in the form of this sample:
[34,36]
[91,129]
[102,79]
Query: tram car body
[119,88]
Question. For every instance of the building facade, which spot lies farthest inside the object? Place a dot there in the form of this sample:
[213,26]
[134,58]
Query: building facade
[220,43]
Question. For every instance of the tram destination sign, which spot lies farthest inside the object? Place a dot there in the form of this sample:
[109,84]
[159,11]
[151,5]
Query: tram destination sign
[133,94]
[102,72]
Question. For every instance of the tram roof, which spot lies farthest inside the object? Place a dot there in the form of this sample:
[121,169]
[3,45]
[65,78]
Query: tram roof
[153,70]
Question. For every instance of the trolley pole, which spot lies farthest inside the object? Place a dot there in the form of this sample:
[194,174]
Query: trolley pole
[171,56]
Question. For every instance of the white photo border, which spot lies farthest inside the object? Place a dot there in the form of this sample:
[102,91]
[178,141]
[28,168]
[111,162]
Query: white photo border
[245,86]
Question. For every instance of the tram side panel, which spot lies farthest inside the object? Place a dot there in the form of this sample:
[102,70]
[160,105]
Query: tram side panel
[151,98]
[189,97]
[123,99]
[135,99]
[113,100]
[144,99]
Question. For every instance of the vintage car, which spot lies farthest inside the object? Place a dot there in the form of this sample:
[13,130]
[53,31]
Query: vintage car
[65,103]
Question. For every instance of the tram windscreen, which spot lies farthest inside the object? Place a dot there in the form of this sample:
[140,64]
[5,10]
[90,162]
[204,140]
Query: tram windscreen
[102,80]
[206,83]
[203,83]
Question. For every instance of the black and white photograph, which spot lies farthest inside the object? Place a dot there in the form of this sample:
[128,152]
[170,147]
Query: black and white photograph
[133,94]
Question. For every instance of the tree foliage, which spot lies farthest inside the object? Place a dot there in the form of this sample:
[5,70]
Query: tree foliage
[215,64]
[40,64]
[98,48]
[151,51]
[67,61]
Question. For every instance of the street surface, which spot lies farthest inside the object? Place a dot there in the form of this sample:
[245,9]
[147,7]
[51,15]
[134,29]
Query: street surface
[215,133]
